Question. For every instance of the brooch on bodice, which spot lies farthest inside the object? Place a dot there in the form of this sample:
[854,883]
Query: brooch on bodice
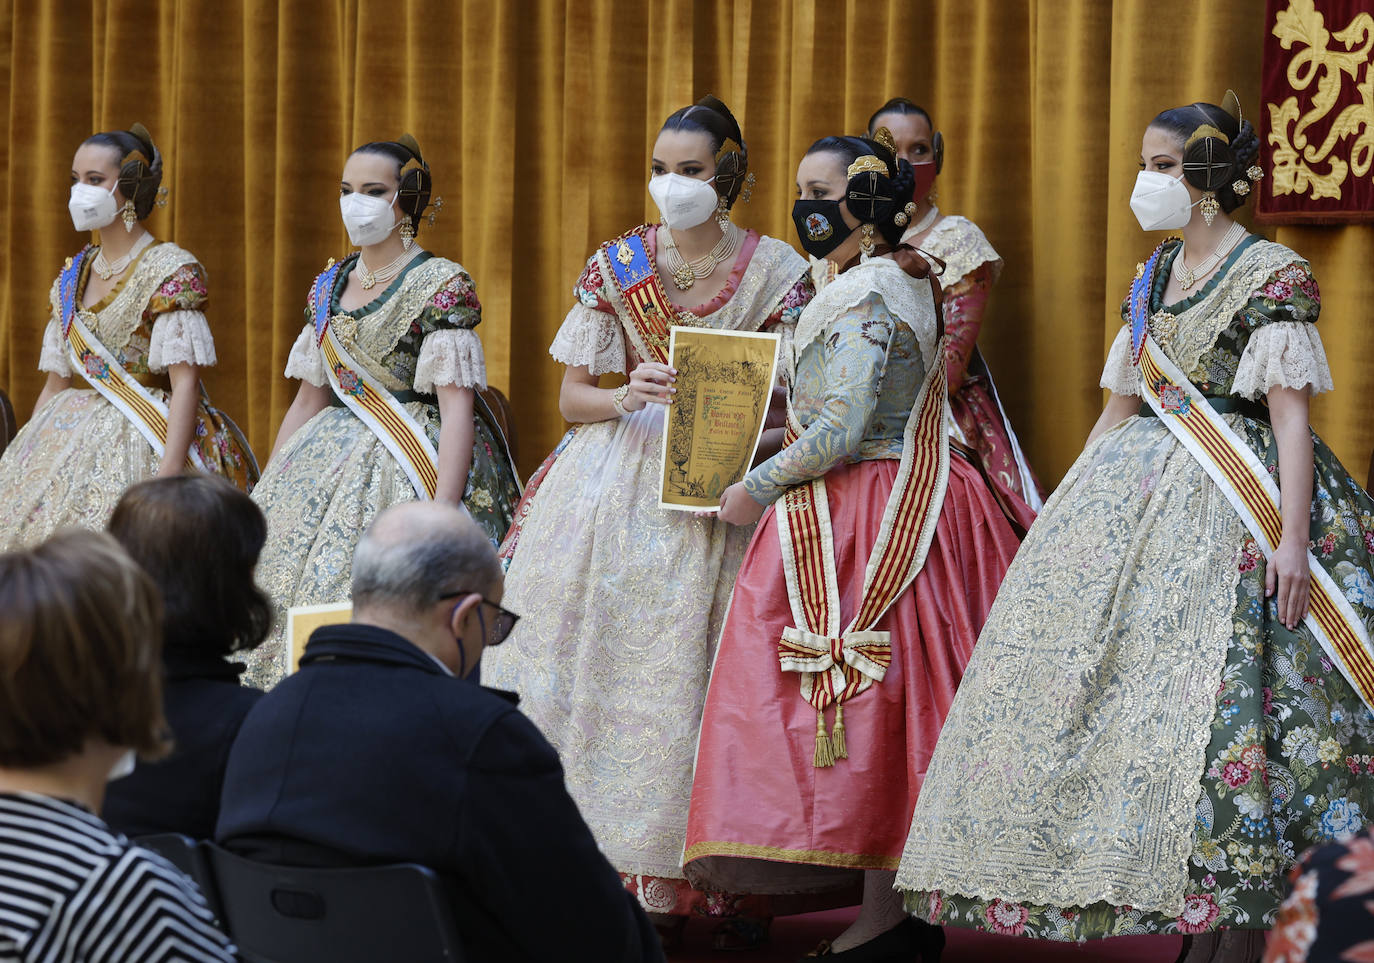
[1163,326]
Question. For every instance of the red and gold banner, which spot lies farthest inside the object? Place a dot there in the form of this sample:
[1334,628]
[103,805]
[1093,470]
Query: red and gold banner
[1317,118]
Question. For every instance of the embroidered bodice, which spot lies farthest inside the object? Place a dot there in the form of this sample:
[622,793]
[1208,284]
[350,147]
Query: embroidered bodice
[767,289]
[1250,328]
[154,317]
[416,334]
[861,353]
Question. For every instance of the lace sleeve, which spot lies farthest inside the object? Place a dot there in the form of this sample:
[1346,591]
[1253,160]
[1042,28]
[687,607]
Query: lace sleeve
[180,337]
[305,361]
[783,320]
[592,338]
[451,356]
[1119,374]
[1282,354]
[53,356]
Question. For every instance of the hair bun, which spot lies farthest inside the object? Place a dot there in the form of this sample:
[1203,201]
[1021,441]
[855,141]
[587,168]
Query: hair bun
[1244,147]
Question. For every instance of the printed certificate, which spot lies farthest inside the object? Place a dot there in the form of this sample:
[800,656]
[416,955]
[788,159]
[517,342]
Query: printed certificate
[724,383]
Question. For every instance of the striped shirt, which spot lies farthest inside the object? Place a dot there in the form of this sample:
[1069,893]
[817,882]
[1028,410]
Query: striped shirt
[72,891]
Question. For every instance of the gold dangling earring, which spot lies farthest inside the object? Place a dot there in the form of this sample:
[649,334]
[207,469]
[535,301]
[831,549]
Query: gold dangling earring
[934,195]
[722,215]
[866,240]
[407,233]
[130,216]
[1209,207]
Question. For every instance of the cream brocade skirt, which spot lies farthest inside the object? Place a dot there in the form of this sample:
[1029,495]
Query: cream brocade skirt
[68,467]
[621,605]
[319,494]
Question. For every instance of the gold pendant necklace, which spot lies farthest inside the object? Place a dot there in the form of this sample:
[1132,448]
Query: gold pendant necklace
[687,273]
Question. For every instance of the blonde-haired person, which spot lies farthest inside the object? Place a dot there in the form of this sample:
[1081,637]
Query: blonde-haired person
[80,695]
[123,348]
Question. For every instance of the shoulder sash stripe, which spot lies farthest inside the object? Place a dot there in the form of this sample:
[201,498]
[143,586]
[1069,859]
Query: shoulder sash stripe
[630,269]
[378,408]
[837,665]
[1254,494]
[95,363]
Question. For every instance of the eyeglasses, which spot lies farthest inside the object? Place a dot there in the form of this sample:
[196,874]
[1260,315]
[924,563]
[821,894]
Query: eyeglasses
[503,624]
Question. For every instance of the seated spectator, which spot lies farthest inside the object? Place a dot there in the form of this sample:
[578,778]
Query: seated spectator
[378,751]
[79,694]
[198,537]
[1329,915]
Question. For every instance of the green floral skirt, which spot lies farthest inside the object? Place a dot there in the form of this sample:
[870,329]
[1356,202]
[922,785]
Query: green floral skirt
[1290,761]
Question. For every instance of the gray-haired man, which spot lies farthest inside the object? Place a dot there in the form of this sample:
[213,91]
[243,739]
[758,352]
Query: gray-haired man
[377,751]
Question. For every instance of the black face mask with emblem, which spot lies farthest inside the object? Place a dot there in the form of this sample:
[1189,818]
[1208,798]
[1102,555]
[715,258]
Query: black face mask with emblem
[820,226]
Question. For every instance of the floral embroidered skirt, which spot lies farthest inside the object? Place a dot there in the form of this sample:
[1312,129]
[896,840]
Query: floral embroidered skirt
[325,486]
[1139,746]
[71,463]
[763,817]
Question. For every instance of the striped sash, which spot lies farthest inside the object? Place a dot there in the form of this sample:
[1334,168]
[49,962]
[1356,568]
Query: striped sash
[627,263]
[102,370]
[1253,493]
[371,401]
[837,665]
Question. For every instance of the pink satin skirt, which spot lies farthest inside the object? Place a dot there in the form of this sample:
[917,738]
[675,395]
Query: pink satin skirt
[763,817]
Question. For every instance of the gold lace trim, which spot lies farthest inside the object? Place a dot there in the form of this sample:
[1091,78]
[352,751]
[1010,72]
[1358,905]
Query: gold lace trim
[116,323]
[814,857]
[372,337]
[1198,327]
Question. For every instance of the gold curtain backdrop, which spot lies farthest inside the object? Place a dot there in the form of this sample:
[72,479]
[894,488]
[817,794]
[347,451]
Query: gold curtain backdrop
[538,116]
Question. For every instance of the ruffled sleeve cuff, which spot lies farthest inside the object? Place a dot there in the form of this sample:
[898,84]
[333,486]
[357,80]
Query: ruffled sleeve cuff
[1118,374]
[53,357]
[451,356]
[592,338]
[180,337]
[1282,354]
[305,361]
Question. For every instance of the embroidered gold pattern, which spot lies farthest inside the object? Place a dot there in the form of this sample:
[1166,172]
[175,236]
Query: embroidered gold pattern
[1302,166]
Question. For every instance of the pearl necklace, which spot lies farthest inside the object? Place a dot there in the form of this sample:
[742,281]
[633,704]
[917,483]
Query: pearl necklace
[925,223]
[108,269]
[370,279]
[686,273]
[1186,276]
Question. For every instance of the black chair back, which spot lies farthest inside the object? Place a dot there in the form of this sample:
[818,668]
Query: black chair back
[289,914]
[186,854]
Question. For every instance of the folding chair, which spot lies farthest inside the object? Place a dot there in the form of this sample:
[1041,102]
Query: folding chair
[289,914]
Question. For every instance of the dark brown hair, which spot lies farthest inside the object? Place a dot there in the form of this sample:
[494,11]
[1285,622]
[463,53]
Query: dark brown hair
[199,538]
[79,651]
[711,117]
[1212,163]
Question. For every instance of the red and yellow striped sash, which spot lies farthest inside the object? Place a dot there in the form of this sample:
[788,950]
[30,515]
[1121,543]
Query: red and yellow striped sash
[1250,489]
[94,362]
[837,665]
[377,408]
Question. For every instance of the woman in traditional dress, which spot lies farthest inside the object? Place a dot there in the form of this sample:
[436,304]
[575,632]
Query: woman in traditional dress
[971,269]
[123,348]
[386,411]
[1155,721]
[864,587]
[622,601]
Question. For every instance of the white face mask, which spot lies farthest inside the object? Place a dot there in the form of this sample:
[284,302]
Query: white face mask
[683,201]
[92,207]
[1161,202]
[369,219]
[124,766]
